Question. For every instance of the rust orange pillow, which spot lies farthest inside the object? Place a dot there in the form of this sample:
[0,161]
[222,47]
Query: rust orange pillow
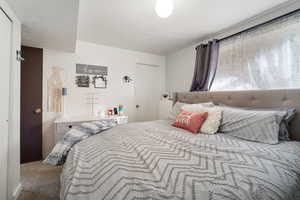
[191,121]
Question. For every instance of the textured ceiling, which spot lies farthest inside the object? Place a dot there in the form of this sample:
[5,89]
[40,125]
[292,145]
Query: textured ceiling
[129,24]
[133,24]
[48,24]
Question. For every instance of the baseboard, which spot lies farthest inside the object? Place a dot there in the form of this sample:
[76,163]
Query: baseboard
[17,192]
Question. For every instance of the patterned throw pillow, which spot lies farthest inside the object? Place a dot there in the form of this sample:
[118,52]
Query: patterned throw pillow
[178,107]
[191,121]
[213,121]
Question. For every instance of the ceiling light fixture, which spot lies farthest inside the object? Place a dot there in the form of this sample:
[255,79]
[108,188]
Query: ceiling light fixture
[164,8]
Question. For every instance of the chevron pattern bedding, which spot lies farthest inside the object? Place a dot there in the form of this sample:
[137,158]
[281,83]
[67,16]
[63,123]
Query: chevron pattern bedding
[60,152]
[153,160]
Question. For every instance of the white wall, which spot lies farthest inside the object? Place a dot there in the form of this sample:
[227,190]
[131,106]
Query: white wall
[180,70]
[13,174]
[120,62]
[180,64]
[165,108]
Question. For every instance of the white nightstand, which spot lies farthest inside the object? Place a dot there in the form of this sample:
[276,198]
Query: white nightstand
[63,125]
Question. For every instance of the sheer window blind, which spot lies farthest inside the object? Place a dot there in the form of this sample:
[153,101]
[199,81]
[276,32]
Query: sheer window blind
[265,58]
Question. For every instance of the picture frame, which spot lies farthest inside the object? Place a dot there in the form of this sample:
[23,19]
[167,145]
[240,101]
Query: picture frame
[83,81]
[100,82]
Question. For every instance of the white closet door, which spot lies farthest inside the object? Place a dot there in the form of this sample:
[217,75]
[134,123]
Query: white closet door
[5,58]
[147,85]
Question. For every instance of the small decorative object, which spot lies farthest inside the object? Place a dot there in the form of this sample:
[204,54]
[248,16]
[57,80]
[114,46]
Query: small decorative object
[116,110]
[165,96]
[92,100]
[19,56]
[64,93]
[109,112]
[127,79]
[101,111]
[121,110]
[83,81]
[99,81]
[54,85]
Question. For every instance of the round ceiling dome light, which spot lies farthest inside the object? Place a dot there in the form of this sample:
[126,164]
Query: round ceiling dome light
[164,8]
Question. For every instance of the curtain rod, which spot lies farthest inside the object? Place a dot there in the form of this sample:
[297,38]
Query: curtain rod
[258,25]
[261,24]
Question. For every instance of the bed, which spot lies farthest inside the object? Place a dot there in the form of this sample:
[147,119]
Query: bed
[153,160]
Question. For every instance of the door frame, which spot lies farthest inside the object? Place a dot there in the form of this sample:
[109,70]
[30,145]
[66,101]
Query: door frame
[4,146]
[13,185]
[32,64]
[159,70]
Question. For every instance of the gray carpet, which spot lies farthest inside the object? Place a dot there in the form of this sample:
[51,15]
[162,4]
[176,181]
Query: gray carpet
[40,182]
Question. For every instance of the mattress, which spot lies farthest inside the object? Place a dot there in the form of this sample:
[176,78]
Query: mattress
[153,160]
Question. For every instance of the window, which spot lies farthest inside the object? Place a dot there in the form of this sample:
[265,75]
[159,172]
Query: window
[265,58]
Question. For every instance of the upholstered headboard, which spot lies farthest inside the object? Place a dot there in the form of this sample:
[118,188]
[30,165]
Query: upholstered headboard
[255,99]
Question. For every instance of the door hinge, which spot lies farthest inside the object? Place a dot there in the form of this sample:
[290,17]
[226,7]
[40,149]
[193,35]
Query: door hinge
[19,56]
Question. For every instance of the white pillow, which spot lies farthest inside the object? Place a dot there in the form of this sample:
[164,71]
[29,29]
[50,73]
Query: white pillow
[212,122]
[176,110]
[178,107]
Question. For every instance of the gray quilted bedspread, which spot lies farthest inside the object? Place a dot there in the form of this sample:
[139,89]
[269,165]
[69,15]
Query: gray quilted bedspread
[153,160]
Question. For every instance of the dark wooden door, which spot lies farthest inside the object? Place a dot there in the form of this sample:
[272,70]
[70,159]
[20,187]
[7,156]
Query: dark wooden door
[31,104]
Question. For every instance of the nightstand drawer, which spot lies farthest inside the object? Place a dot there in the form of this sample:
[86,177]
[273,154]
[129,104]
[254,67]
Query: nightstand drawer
[122,120]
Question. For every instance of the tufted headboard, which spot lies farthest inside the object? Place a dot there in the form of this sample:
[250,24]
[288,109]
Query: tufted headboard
[256,99]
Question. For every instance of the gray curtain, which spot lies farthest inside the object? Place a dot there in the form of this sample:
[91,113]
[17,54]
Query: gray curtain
[205,66]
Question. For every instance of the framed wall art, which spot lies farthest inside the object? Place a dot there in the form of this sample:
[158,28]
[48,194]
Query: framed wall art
[91,75]
[83,81]
[99,82]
